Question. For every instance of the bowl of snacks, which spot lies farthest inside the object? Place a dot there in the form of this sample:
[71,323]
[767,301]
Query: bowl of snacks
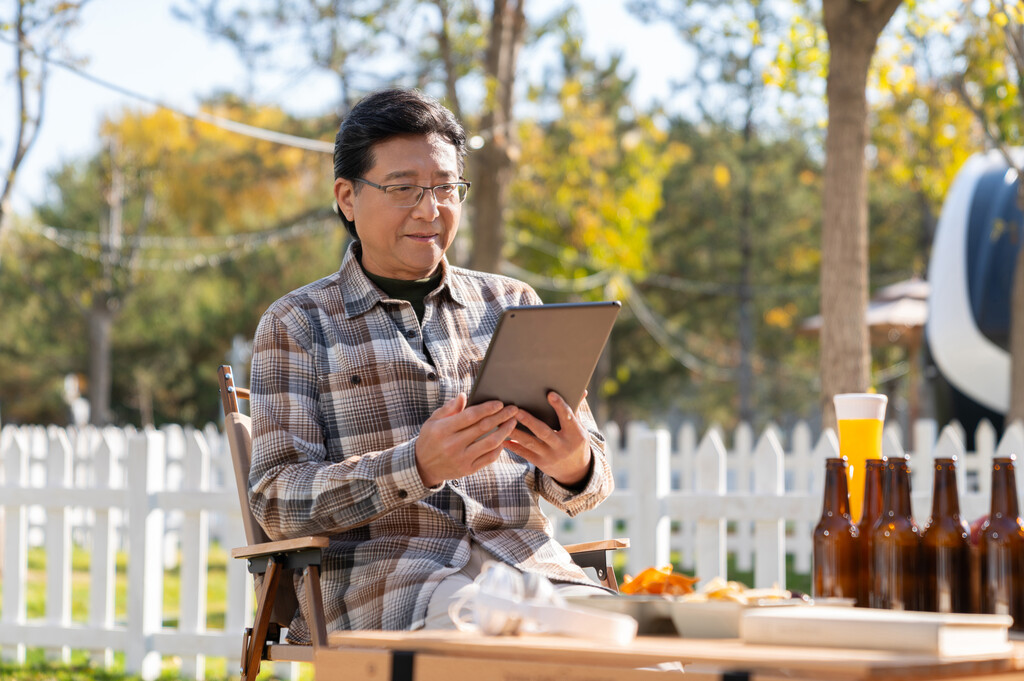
[647,598]
[714,610]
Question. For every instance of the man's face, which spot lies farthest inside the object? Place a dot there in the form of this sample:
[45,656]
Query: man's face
[403,243]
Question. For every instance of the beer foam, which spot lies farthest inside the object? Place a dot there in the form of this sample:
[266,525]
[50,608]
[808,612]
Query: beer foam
[860,406]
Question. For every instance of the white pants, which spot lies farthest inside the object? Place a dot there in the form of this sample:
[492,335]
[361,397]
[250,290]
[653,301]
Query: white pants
[454,587]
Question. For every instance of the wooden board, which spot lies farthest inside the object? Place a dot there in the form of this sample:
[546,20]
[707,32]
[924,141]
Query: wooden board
[704,655]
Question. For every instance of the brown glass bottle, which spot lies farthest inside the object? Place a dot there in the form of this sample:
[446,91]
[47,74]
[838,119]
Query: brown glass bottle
[835,539]
[896,545]
[1001,547]
[946,547]
[870,514]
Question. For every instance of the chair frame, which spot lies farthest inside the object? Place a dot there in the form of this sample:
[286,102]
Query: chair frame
[273,562]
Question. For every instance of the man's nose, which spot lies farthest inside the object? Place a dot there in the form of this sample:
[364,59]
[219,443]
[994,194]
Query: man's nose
[427,208]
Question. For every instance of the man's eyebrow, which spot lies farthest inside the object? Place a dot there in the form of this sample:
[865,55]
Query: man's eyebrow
[399,174]
[447,175]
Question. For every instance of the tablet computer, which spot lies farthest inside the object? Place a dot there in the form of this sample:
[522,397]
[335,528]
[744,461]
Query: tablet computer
[539,348]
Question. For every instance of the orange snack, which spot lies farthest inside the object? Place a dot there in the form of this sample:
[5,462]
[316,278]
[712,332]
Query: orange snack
[658,581]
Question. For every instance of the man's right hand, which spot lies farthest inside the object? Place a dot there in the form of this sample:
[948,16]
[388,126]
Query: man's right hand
[457,441]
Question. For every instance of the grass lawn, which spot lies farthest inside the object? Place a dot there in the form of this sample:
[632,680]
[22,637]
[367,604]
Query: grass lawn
[37,668]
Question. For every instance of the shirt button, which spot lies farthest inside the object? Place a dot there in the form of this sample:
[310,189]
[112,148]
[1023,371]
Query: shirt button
[355,380]
[402,494]
[455,483]
[410,333]
[431,376]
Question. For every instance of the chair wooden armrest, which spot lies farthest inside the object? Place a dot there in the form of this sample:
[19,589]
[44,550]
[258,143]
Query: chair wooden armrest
[603,545]
[594,554]
[284,546]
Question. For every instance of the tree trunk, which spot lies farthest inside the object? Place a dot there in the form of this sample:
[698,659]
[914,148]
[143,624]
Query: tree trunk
[853,27]
[1016,411]
[745,319]
[495,162]
[101,323]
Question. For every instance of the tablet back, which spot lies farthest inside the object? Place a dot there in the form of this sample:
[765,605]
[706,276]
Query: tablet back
[539,348]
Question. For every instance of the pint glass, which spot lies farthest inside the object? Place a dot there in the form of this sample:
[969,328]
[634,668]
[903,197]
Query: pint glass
[860,417]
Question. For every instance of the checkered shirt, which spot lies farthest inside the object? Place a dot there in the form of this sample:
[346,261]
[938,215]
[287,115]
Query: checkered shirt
[340,387]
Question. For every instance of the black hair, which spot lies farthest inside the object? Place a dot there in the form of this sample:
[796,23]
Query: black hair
[385,114]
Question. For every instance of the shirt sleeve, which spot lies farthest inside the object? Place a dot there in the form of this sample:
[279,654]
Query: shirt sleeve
[294,490]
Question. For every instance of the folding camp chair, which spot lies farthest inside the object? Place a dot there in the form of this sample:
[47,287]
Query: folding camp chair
[273,562]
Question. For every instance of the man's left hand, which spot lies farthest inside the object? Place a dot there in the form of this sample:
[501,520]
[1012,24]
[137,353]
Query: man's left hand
[562,454]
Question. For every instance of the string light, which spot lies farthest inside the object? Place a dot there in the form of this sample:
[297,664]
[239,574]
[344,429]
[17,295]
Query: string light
[88,245]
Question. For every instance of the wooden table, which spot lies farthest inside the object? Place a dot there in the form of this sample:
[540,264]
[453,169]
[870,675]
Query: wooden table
[453,656]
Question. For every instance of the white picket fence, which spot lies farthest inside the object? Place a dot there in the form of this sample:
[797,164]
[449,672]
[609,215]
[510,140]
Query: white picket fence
[164,496]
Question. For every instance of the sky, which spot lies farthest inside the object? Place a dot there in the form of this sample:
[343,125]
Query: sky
[139,46]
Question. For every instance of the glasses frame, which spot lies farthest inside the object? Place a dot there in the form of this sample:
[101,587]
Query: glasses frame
[423,190]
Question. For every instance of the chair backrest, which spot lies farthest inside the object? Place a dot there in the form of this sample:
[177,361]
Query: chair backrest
[238,428]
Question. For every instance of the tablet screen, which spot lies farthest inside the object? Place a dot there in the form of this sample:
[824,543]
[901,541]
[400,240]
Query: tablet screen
[539,348]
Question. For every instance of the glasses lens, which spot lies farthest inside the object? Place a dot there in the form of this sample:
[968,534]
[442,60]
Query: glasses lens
[404,195]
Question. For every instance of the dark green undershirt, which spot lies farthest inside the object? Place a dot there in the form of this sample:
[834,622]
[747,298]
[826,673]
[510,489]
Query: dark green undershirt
[415,291]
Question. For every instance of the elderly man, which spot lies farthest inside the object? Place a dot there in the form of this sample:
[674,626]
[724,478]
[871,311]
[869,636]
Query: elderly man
[361,428]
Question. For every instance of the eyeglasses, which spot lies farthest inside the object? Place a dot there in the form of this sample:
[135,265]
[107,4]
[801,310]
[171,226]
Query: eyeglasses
[410,195]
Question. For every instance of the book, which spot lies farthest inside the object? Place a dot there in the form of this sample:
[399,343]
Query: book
[945,635]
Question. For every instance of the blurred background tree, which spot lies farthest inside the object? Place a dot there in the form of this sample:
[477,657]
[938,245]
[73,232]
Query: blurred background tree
[38,31]
[701,211]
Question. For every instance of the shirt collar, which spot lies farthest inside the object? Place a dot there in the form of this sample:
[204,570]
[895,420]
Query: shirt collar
[360,294]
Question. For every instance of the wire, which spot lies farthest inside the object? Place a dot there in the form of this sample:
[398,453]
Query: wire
[88,245]
[223,123]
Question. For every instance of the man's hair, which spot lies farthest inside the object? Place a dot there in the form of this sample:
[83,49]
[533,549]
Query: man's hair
[385,114]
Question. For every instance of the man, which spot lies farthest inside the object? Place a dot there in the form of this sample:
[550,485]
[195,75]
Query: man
[361,428]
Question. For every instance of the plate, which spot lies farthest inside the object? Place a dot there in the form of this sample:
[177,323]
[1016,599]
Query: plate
[719,618]
[653,614]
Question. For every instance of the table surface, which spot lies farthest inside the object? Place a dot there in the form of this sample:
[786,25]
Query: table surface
[556,657]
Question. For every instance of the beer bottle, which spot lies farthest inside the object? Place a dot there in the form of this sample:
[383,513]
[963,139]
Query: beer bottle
[946,542]
[1001,548]
[835,538]
[872,511]
[896,545]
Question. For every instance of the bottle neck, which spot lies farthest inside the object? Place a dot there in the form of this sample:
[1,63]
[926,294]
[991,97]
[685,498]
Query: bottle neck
[945,499]
[897,490]
[1004,489]
[874,498]
[837,497]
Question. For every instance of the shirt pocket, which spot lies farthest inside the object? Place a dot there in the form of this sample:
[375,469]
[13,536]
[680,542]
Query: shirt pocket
[360,406]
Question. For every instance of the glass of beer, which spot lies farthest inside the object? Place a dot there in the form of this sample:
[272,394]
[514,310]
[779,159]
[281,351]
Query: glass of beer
[860,417]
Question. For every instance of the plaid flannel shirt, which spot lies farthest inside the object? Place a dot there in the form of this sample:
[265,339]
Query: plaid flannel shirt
[340,388]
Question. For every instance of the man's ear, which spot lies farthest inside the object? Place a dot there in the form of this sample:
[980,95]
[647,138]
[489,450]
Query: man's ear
[344,194]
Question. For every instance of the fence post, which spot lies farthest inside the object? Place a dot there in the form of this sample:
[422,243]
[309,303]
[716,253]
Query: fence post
[743,468]
[195,551]
[770,534]
[58,539]
[14,447]
[1012,443]
[802,466]
[686,444]
[650,479]
[710,481]
[145,540]
[102,564]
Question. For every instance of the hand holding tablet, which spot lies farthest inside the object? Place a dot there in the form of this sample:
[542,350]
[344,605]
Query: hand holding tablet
[537,349]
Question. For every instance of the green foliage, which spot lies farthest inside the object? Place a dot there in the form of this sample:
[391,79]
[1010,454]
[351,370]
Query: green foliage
[695,242]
